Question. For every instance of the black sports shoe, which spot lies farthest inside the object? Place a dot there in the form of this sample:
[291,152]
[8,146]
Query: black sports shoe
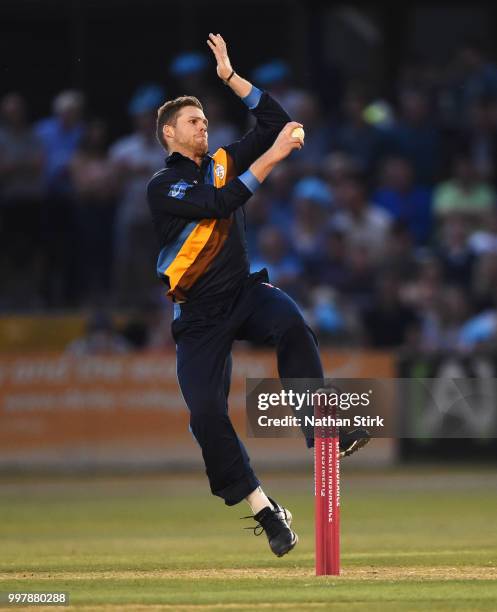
[352,441]
[276,524]
[283,513]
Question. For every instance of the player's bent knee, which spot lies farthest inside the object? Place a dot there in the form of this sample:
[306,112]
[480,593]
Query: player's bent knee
[292,322]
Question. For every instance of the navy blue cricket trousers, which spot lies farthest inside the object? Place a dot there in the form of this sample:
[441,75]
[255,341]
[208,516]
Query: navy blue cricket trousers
[204,335]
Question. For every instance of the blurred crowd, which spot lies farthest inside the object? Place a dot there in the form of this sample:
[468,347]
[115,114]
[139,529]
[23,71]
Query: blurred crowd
[383,227]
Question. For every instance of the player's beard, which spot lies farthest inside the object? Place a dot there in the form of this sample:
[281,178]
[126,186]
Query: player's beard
[201,146]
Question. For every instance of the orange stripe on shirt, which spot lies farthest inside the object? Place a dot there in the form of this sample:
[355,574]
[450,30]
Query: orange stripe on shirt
[205,241]
[189,252]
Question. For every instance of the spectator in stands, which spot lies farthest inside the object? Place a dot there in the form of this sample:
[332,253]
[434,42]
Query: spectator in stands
[328,265]
[454,252]
[312,206]
[441,326]
[21,193]
[189,70]
[101,338]
[464,193]
[484,281]
[275,76]
[258,216]
[326,314]
[280,184]
[456,93]
[403,199]
[356,137]
[136,157]
[221,130]
[95,183]
[387,322]
[363,224]
[359,286]
[478,75]
[60,136]
[484,240]
[423,290]
[380,114]
[317,133]
[480,331]
[479,138]
[285,269]
[399,256]
[337,167]
[416,136]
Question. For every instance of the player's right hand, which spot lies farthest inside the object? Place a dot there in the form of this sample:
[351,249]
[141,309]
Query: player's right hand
[218,46]
[285,143]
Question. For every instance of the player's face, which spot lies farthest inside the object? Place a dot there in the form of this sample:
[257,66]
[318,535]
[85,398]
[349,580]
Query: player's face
[190,131]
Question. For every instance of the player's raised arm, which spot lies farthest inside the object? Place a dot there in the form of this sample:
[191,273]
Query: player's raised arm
[224,69]
[271,117]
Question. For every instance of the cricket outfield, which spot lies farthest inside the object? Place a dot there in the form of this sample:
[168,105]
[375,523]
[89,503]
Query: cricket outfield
[414,539]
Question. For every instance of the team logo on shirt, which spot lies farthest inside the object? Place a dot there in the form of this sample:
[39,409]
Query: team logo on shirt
[178,190]
[219,170]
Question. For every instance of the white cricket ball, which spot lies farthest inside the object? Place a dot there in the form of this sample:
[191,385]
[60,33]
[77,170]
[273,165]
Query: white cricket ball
[298,133]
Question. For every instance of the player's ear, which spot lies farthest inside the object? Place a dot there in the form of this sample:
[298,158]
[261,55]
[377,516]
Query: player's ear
[168,131]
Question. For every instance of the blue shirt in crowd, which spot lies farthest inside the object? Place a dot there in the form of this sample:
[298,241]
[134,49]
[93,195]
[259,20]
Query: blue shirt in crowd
[412,208]
[59,146]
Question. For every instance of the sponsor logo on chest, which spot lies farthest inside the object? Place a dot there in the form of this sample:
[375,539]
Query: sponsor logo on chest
[220,171]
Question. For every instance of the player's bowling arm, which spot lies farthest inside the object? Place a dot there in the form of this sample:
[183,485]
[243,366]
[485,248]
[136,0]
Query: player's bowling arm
[270,117]
[284,144]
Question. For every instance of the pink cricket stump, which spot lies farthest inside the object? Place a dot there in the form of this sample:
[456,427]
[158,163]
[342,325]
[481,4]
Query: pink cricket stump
[327,495]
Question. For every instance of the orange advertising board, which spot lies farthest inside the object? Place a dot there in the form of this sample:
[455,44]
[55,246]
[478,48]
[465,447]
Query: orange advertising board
[57,409]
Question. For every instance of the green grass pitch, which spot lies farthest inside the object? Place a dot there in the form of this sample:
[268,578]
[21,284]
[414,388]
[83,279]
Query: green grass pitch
[417,539]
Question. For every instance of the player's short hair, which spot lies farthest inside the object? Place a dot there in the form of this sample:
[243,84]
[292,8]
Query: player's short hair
[167,113]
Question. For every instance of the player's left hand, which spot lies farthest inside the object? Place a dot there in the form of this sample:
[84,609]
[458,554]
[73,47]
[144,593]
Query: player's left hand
[218,46]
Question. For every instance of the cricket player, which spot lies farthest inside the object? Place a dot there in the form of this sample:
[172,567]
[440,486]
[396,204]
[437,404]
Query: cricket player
[197,204]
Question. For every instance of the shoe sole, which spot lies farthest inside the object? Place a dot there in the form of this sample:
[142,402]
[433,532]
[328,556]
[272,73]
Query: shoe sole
[291,547]
[356,445]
